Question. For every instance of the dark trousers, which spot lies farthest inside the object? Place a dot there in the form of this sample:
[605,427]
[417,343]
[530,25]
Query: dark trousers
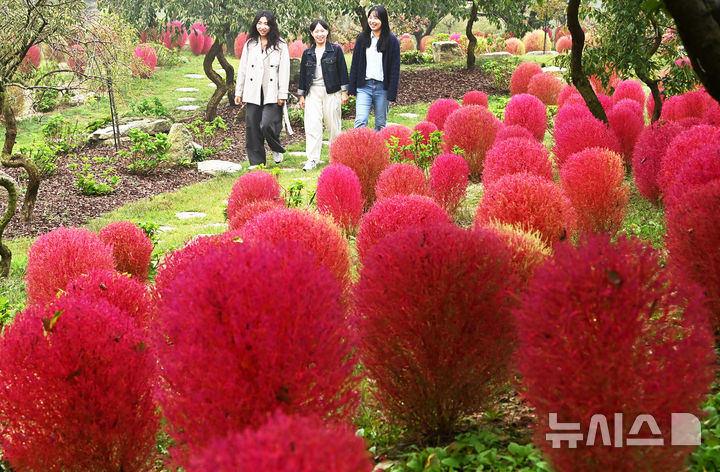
[262,123]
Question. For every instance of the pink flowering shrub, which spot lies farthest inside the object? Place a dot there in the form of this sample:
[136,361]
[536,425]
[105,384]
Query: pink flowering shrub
[530,202]
[472,129]
[521,76]
[563,44]
[512,131]
[146,57]
[712,114]
[439,111]
[401,179]
[527,250]
[475,97]
[247,212]
[57,257]
[593,181]
[571,112]
[177,261]
[515,155]
[435,358]
[175,35]
[365,152]
[515,46]
[546,87]
[701,167]
[286,444]
[681,149]
[647,156]
[245,330]
[403,135]
[253,186]
[339,196]
[239,44]
[608,313]
[77,389]
[199,40]
[583,133]
[131,248]
[449,178]
[569,94]
[631,89]
[626,121]
[32,58]
[426,128]
[395,213]
[529,112]
[534,41]
[296,48]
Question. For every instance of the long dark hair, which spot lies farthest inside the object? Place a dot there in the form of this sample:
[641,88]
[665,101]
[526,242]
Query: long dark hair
[384,30]
[313,25]
[273,35]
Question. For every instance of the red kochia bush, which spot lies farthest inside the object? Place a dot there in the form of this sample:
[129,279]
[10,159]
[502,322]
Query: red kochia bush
[77,389]
[512,131]
[515,46]
[401,179]
[546,87]
[569,94]
[627,121]
[529,112]
[516,155]
[693,240]
[426,128]
[583,133]
[631,89]
[245,330]
[176,261]
[603,329]
[32,57]
[529,201]
[439,110]
[287,444]
[197,38]
[146,58]
[593,181]
[131,248]
[472,129]
[434,327]
[296,48]
[339,196]
[239,44]
[253,186]
[365,152]
[521,76]
[647,156]
[395,213]
[475,97]
[701,167]
[527,250]
[449,178]
[250,211]
[684,146]
[534,41]
[402,133]
[571,112]
[564,43]
[57,257]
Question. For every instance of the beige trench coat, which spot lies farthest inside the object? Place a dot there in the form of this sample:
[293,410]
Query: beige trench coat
[270,68]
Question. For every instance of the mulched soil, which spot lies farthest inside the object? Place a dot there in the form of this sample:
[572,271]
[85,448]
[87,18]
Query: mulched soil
[60,203]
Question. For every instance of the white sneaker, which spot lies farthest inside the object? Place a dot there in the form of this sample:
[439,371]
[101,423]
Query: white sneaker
[256,166]
[309,165]
[278,157]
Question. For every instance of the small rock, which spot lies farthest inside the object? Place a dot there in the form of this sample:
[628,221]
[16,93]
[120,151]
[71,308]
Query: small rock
[212,84]
[216,167]
[188,107]
[496,55]
[390,123]
[187,215]
[187,99]
[181,145]
[553,69]
[297,153]
[446,51]
[541,53]
[408,115]
[146,125]
[195,76]
[164,229]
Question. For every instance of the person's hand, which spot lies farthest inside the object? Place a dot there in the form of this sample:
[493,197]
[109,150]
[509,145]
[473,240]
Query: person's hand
[281,101]
[301,101]
[238,100]
[344,97]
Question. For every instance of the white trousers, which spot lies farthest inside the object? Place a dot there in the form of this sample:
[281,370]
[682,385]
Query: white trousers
[321,107]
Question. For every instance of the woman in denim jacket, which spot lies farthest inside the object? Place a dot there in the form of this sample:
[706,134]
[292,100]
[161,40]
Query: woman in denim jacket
[322,90]
[375,69]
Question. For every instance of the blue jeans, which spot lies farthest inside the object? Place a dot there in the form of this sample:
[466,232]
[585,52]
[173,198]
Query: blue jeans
[373,94]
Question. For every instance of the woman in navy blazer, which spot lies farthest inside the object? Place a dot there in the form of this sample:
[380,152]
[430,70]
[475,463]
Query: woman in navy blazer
[375,69]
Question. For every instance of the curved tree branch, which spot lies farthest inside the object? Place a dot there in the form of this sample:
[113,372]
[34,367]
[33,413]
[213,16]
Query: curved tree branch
[220,85]
[472,40]
[5,253]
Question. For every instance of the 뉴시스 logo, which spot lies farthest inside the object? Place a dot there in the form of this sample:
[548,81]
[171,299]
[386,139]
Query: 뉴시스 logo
[684,431]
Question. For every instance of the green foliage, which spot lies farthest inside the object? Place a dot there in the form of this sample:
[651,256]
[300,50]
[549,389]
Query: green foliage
[89,183]
[423,154]
[146,153]
[168,57]
[497,104]
[149,107]
[293,195]
[150,229]
[7,313]
[296,115]
[416,57]
[61,133]
[95,125]
[500,71]
[679,79]
[203,132]
[43,155]
[707,455]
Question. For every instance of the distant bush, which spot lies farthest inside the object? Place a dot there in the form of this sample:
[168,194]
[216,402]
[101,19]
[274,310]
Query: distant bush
[146,60]
[534,41]
[449,178]
[515,46]
[546,87]
[296,48]
[627,121]
[401,179]
[520,78]
[563,44]
[240,41]
[472,129]
[647,156]
[515,155]
[339,196]
[132,249]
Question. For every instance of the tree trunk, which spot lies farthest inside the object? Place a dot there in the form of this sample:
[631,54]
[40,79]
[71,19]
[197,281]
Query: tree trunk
[698,22]
[472,40]
[579,79]
[220,85]
[5,253]
[419,35]
[655,92]
[362,16]
[229,76]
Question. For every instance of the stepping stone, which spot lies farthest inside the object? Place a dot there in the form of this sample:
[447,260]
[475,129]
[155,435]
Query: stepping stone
[408,115]
[195,76]
[298,153]
[216,167]
[212,84]
[188,107]
[187,89]
[187,99]
[165,228]
[220,71]
[553,69]
[540,53]
[188,215]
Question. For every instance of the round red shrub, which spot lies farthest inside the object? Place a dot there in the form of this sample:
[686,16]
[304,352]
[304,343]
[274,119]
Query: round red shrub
[33,56]
[631,89]
[527,250]
[401,179]
[131,248]
[693,241]
[647,156]
[627,121]
[77,389]
[604,329]
[571,112]
[563,44]
[593,181]
[339,196]
[583,133]
[515,46]
[239,44]
[521,76]
[475,97]
[435,332]
[515,155]
[245,330]
[512,131]
[176,261]
[546,87]
[197,42]
[77,57]
[605,101]
[449,178]
[533,41]
[208,44]
[701,167]
[57,257]
[712,114]
[395,213]
[684,145]
[296,48]
[365,152]
[439,111]
[426,128]
[287,444]
[472,129]
[147,60]
[531,202]
[529,112]
[403,135]
[688,105]
[253,186]
[250,211]
[568,94]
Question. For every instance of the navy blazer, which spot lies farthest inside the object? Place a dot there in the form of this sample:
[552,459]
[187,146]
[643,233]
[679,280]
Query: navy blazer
[391,66]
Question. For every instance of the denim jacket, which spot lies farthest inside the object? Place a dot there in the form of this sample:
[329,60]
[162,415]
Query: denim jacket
[334,69]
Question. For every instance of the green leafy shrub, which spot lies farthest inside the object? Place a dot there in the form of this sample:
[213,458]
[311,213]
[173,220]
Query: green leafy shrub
[62,134]
[293,194]
[500,71]
[167,57]
[416,57]
[92,184]
[149,107]
[95,125]
[423,153]
[146,152]
[47,99]
[43,155]
[202,132]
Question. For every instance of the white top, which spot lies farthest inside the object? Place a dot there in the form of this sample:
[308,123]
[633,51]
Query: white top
[373,58]
[318,76]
